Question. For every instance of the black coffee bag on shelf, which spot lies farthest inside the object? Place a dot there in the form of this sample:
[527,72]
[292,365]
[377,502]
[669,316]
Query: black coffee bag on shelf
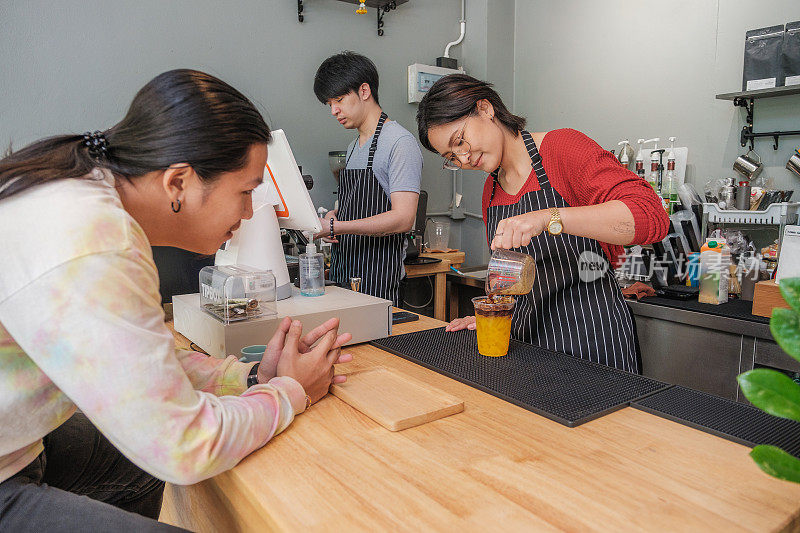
[790,54]
[762,58]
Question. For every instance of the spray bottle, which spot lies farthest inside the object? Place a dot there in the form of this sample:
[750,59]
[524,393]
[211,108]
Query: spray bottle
[640,159]
[669,192]
[655,164]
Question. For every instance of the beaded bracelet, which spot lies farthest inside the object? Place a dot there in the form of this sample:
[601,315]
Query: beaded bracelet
[332,234]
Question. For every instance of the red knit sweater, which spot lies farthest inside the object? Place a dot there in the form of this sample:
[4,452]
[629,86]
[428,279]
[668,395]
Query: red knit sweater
[585,174]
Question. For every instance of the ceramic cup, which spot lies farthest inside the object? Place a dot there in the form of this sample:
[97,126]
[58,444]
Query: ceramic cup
[252,353]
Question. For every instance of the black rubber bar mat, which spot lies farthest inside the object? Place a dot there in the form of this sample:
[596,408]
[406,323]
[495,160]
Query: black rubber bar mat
[739,309]
[558,386]
[724,418]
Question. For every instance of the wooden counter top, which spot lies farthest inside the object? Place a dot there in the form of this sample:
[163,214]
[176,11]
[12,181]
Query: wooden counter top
[494,466]
[456,257]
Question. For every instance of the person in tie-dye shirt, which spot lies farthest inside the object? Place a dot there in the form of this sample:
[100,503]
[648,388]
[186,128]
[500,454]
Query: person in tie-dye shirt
[81,323]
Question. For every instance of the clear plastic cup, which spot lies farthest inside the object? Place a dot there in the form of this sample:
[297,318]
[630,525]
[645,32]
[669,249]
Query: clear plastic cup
[493,324]
[439,236]
[510,273]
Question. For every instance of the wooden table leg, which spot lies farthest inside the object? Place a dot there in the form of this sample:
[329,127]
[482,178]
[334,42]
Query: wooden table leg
[452,296]
[439,296]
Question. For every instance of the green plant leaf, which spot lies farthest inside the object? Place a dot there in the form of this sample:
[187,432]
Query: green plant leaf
[777,463]
[772,391]
[785,327]
[790,290]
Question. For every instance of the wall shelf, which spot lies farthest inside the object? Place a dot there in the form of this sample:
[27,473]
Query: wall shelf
[381,8]
[746,99]
[761,93]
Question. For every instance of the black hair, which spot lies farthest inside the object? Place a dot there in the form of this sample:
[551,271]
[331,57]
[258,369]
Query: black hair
[456,96]
[345,72]
[180,116]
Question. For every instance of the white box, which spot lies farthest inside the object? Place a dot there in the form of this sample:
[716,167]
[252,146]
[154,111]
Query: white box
[789,254]
[365,317]
[422,77]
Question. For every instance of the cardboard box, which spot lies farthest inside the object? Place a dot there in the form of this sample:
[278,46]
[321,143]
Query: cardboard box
[766,297]
[365,317]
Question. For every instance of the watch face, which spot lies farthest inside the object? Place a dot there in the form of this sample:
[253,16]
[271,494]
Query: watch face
[555,228]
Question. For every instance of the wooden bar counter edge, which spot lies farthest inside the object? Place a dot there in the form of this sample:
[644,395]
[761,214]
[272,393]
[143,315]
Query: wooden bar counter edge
[494,466]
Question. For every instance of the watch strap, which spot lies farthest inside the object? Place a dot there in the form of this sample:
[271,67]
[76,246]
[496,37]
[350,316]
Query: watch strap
[555,217]
[252,377]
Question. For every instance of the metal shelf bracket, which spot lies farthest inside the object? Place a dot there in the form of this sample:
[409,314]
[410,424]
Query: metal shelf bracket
[748,135]
[382,10]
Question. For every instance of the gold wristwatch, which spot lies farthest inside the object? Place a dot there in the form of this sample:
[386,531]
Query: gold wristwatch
[555,227]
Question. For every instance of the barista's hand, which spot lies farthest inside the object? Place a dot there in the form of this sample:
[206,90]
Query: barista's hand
[518,231]
[468,322]
[313,369]
[267,369]
[325,234]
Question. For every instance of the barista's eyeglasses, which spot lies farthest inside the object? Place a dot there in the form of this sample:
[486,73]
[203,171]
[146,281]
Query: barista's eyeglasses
[460,148]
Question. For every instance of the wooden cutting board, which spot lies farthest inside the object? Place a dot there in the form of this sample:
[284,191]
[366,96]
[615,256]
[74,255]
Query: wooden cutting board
[395,400]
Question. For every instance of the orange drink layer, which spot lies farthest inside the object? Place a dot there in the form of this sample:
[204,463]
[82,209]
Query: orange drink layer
[493,324]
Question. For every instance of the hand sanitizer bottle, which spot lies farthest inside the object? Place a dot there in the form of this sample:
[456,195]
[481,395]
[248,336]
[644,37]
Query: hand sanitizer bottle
[669,191]
[312,271]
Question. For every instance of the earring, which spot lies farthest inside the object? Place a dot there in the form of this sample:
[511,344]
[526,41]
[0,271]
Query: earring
[175,209]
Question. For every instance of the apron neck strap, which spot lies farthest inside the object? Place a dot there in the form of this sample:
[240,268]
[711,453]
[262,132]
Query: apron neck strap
[530,145]
[374,145]
[536,160]
[533,153]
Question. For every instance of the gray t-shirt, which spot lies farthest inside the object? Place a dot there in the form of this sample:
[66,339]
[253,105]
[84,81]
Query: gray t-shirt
[398,160]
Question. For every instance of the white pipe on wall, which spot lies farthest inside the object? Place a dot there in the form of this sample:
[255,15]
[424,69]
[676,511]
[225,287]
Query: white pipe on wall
[455,194]
[460,37]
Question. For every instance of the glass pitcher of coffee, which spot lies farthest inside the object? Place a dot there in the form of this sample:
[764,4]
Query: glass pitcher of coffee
[510,273]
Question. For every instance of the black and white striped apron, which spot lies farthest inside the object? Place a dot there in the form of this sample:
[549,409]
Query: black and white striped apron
[378,261]
[587,319]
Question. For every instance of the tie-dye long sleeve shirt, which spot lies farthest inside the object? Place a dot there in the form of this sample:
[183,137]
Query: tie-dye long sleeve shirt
[81,324]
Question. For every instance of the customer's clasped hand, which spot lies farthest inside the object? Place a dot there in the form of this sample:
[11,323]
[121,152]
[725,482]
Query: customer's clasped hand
[290,353]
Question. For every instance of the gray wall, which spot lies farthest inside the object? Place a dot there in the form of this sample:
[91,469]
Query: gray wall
[618,69]
[72,66]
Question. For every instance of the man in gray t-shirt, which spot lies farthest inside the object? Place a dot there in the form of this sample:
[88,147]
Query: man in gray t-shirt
[377,197]
[398,159]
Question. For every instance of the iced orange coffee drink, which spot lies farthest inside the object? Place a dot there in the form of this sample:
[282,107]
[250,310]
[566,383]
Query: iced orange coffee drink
[493,323]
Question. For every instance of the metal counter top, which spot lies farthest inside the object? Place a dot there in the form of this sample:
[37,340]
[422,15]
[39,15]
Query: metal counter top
[743,326]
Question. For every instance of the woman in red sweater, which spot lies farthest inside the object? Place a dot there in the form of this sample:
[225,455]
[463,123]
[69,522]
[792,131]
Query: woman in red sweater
[559,197]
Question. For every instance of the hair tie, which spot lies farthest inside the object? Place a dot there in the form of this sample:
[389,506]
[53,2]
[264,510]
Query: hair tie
[97,144]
